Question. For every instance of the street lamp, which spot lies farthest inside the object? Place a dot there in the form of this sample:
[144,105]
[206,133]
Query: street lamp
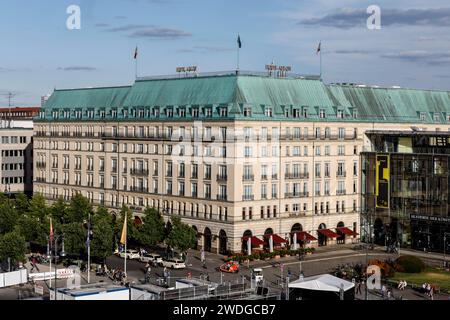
[55,257]
[445,245]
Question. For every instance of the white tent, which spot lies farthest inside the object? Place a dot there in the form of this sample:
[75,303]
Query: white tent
[324,282]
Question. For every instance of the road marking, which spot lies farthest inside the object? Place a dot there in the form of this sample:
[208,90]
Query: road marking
[325,259]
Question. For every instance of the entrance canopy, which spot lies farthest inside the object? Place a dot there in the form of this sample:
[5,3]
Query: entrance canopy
[304,236]
[254,240]
[324,282]
[276,238]
[347,231]
[328,233]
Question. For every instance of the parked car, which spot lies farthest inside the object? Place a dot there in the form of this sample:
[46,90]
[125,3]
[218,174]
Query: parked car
[131,254]
[153,258]
[173,263]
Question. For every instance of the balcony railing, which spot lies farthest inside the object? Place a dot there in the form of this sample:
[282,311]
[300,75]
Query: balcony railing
[340,192]
[139,172]
[221,177]
[41,164]
[296,175]
[264,177]
[341,174]
[248,177]
[248,197]
[138,189]
[222,197]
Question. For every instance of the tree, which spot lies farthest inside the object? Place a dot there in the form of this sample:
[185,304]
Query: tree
[74,238]
[21,203]
[103,234]
[12,245]
[33,230]
[182,236]
[79,208]
[38,207]
[8,217]
[58,210]
[152,230]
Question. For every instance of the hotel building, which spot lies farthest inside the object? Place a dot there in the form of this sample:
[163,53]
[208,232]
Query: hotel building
[234,155]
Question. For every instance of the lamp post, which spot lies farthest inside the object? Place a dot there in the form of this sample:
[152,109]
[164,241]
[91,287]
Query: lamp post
[445,245]
[55,257]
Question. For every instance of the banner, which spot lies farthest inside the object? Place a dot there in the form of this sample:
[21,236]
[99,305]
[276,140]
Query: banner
[382,177]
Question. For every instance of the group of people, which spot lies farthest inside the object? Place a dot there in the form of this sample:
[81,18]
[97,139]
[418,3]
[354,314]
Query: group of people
[402,285]
[428,289]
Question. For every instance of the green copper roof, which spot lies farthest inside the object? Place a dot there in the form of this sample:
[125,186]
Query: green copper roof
[259,92]
[87,98]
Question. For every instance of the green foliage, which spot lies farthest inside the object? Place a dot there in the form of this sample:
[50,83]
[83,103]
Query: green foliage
[38,207]
[74,238]
[152,230]
[8,216]
[79,209]
[409,264]
[182,236]
[12,245]
[103,233]
[58,211]
[21,203]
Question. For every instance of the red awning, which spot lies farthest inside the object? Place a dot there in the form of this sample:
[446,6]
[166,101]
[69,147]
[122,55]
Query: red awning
[328,233]
[347,231]
[276,238]
[255,241]
[304,236]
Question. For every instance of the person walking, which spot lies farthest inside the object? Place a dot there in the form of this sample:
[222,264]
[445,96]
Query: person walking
[383,291]
[358,287]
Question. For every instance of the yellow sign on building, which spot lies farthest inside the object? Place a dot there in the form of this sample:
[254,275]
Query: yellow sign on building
[382,181]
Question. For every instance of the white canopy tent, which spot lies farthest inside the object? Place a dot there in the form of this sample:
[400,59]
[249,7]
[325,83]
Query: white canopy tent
[324,282]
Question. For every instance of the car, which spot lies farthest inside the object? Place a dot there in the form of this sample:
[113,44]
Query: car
[173,263]
[131,254]
[152,258]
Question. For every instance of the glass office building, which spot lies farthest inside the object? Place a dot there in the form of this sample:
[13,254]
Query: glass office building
[405,188]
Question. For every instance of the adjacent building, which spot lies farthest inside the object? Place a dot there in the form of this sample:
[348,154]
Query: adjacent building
[405,189]
[237,156]
[16,134]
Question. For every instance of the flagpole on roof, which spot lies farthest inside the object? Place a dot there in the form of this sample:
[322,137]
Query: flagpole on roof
[239,45]
[319,51]
[136,62]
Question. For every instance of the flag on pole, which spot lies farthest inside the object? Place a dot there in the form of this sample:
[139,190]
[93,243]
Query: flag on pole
[51,231]
[136,53]
[318,48]
[123,237]
[239,41]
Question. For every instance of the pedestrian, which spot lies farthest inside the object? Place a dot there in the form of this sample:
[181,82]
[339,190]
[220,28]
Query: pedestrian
[431,293]
[383,291]
[389,294]
[289,274]
[358,286]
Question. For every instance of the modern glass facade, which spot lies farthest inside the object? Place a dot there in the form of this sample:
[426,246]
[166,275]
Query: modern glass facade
[405,194]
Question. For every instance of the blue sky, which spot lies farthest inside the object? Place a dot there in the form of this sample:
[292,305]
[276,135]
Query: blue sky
[39,53]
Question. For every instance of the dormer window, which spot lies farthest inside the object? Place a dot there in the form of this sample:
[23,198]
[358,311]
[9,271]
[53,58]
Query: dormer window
[322,113]
[195,112]
[448,117]
[125,113]
[182,112]
[208,112]
[155,112]
[102,113]
[296,113]
[286,113]
[114,113]
[223,111]
[422,116]
[247,112]
[340,114]
[355,114]
[141,113]
[436,117]
[169,112]
[268,112]
[305,112]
